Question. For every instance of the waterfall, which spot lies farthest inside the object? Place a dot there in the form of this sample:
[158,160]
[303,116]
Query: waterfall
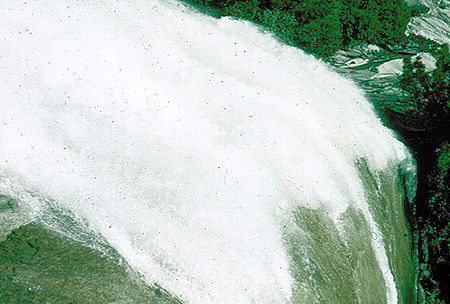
[217,162]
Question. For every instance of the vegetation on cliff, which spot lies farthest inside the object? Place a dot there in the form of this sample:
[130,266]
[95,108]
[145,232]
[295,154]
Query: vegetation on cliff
[323,27]
[429,95]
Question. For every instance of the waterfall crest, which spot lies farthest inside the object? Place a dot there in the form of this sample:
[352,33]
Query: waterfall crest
[219,163]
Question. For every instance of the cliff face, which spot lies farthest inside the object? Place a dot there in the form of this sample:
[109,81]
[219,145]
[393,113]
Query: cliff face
[429,216]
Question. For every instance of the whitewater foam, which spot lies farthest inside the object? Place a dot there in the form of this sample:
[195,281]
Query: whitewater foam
[185,141]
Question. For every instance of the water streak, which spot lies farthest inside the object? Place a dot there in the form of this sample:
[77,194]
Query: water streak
[187,143]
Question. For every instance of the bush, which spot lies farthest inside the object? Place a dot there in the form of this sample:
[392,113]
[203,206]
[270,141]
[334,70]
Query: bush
[434,224]
[429,93]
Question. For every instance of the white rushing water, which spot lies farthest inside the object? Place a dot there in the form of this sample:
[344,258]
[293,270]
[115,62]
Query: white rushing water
[184,141]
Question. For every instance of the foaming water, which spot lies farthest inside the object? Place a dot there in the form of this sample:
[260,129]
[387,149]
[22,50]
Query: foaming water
[189,144]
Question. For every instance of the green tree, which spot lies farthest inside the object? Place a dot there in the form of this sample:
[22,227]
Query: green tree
[373,21]
[441,85]
[320,30]
[247,10]
[429,93]
[322,27]
[417,83]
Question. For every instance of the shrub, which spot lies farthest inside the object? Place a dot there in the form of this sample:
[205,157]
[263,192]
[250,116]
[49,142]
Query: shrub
[429,93]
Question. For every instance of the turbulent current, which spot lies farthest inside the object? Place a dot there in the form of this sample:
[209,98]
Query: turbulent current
[157,154]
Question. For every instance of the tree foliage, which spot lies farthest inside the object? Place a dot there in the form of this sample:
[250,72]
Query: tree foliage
[322,27]
[374,21]
[435,228]
[429,93]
